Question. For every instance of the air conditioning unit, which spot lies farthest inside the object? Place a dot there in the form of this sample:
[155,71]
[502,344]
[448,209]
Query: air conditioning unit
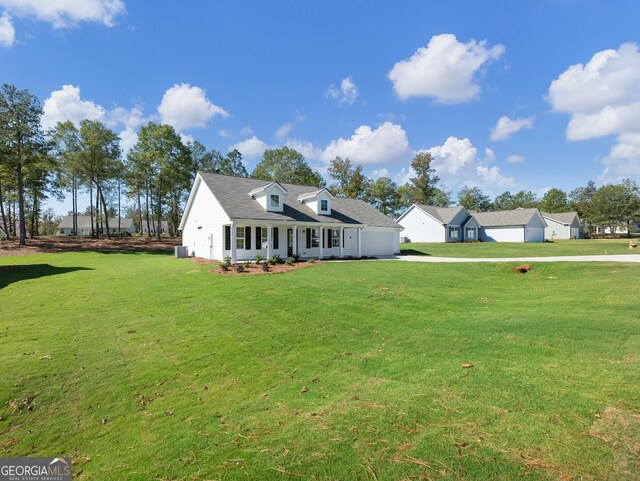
[404,240]
[181,252]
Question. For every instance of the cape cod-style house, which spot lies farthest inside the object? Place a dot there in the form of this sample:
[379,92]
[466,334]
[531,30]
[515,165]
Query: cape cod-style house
[238,217]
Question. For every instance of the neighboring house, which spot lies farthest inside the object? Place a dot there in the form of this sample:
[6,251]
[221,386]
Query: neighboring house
[84,225]
[238,217]
[426,223]
[520,225]
[562,225]
[151,229]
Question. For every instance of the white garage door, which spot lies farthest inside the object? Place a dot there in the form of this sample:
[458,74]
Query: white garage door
[378,243]
[535,234]
[502,234]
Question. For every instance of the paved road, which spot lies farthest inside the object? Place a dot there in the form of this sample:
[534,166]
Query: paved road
[611,258]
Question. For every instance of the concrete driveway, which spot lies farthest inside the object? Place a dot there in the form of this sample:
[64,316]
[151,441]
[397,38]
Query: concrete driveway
[608,258]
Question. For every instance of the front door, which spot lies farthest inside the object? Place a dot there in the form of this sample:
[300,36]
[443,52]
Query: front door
[289,242]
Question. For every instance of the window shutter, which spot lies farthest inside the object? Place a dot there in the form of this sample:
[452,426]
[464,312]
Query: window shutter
[329,232]
[247,238]
[274,236]
[323,238]
[258,237]
[308,238]
[227,237]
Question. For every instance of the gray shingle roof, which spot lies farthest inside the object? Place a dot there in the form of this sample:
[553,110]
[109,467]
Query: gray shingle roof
[84,221]
[504,217]
[562,217]
[442,214]
[231,192]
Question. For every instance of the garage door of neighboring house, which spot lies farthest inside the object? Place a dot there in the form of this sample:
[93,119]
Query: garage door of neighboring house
[502,234]
[535,234]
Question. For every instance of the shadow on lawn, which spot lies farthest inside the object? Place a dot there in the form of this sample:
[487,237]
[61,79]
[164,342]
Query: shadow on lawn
[412,252]
[10,274]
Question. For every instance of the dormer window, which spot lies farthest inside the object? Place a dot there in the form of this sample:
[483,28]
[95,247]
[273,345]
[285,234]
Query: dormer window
[275,201]
[270,196]
[324,205]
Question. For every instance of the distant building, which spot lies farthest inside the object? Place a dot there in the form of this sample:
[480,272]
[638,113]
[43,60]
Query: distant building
[84,226]
[152,227]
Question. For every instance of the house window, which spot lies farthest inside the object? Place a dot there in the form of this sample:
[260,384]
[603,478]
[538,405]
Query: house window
[312,238]
[263,238]
[453,232]
[227,237]
[239,237]
[324,205]
[335,237]
[275,201]
[471,232]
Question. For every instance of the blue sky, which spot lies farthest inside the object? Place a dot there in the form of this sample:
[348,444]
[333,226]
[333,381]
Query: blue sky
[506,95]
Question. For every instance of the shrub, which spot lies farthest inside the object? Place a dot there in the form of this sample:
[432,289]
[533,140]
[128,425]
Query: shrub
[226,262]
[265,266]
[274,259]
[259,258]
[289,261]
[246,264]
[239,267]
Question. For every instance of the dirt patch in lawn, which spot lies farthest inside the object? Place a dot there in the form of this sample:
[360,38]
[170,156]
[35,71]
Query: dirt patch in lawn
[56,244]
[252,269]
[621,431]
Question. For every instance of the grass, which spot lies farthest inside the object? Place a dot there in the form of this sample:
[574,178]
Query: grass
[147,367]
[580,247]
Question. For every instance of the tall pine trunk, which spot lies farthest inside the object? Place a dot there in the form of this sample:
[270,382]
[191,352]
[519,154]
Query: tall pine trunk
[106,214]
[147,213]
[91,208]
[140,214]
[4,218]
[21,220]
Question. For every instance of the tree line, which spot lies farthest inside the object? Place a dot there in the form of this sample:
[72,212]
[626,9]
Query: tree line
[156,175]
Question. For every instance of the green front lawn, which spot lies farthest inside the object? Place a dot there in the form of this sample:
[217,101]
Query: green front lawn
[146,367]
[580,247]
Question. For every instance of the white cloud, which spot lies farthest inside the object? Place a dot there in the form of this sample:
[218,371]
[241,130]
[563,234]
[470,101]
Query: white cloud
[284,130]
[491,177]
[386,144]
[66,104]
[380,173]
[506,127]
[347,93]
[185,107]
[130,118]
[128,138]
[453,157]
[7,32]
[515,159]
[457,163]
[251,148]
[445,69]
[603,98]
[66,13]
[306,148]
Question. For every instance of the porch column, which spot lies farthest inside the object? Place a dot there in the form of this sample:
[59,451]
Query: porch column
[359,242]
[295,240]
[233,242]
[321,240]
[341,241]
[269,235]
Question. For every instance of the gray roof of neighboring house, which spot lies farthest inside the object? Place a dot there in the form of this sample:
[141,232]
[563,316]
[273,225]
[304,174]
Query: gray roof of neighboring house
[443,215]
[504,217]
[232,194]
[84,221]
[561,217]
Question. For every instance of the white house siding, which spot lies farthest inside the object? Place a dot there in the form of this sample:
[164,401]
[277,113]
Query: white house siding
[502,234]
[421,227]
[202,234]
[556,231]
[380,241]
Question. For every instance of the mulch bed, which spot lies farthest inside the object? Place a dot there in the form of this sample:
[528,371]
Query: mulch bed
[252,269]
[57,244]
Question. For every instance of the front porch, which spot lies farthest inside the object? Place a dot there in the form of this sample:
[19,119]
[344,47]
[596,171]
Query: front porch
[243,241]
